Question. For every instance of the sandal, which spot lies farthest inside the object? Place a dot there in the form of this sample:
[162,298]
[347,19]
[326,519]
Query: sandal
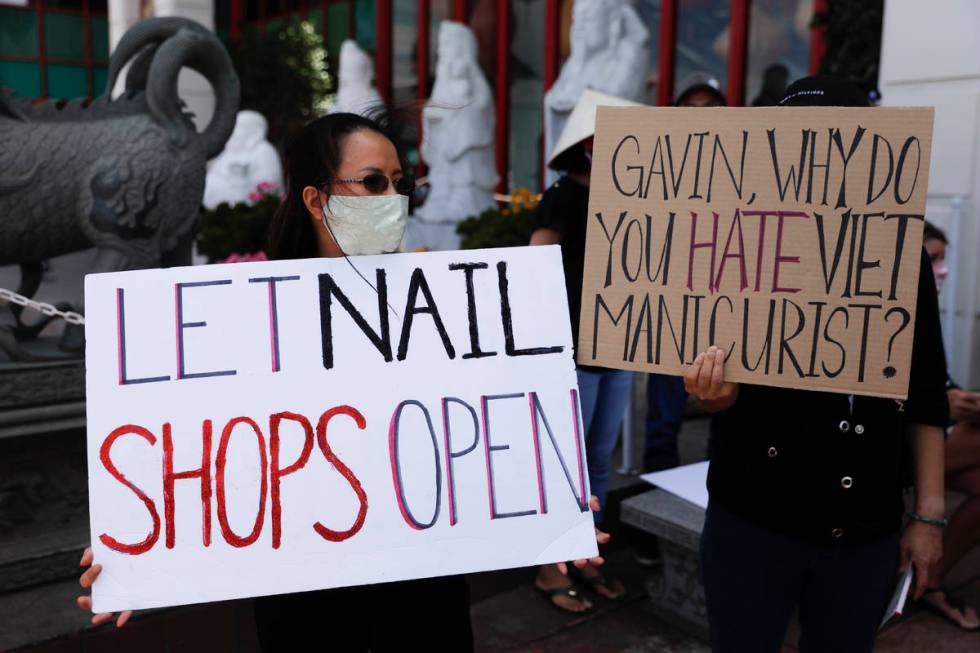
[606,583]
[570,591]
[954,604]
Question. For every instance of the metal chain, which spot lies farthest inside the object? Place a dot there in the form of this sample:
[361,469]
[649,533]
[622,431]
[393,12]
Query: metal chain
[11,297]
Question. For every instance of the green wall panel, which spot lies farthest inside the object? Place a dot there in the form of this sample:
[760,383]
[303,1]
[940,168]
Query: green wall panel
[23,78]
[18,34]
[66,82]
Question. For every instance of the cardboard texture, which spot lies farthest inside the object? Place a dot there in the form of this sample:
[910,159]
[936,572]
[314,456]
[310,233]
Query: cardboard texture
[263,428]
[790,237]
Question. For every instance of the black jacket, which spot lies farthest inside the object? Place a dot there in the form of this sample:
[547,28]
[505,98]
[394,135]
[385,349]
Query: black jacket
[809,464]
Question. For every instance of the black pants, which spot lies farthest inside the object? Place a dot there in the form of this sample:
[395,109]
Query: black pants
[754,578]
[429,614]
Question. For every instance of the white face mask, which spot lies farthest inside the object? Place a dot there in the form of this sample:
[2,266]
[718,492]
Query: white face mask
[366,224]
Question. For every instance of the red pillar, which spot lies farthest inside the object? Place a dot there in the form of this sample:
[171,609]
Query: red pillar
[667,57]
[818,47]
[502,92]
[382,48]
[422,68]
[235,17]
[738,52]
[351,20]
[461,11]
[551,18]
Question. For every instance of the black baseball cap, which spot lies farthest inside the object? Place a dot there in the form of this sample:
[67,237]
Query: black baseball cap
[824,91]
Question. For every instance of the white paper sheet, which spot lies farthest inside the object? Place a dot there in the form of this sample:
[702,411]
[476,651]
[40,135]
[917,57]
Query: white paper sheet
[688,482]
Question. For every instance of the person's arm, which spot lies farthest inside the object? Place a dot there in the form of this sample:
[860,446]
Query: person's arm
[927,414]
[548,224]
[922,543]
[545,236]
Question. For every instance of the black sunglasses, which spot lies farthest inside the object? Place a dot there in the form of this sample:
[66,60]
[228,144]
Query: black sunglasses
[377,183]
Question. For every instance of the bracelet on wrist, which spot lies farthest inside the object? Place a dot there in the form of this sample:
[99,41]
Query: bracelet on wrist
[932,521]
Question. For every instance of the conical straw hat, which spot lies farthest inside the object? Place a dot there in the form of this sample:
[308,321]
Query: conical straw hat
[581,122]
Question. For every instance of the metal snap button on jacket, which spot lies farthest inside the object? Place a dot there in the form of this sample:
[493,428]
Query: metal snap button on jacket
[846,482]
[772,452]
[837,533]
[844,426]
[859,428]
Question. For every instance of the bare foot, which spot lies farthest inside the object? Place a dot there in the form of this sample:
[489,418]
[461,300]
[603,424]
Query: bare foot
[550,578]
[964,616]
[611,588]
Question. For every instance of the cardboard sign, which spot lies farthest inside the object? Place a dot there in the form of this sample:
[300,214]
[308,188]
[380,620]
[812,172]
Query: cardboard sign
[262,428]
[789,237]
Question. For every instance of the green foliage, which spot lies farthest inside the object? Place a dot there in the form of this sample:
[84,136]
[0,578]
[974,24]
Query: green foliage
[852,33]
[240,229]
[283,72]
[508,227]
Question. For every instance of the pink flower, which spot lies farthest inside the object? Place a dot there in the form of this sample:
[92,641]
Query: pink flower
[267,187]
[255,196]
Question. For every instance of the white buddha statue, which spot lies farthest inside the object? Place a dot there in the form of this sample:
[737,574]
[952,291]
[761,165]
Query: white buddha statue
[610,54]
[247,161]
[355,77]
[457,143]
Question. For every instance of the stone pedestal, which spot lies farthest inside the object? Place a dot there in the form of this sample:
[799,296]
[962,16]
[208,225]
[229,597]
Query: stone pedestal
[43,491]
[676,590]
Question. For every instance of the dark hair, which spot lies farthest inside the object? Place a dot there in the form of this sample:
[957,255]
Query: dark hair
[703,88]
[573,160]
[312,157]
[932,232]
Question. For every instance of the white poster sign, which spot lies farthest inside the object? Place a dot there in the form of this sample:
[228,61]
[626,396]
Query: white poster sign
[263,428]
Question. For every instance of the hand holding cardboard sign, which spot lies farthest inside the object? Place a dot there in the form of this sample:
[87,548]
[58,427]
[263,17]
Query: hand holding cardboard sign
[705,379]
[86,580]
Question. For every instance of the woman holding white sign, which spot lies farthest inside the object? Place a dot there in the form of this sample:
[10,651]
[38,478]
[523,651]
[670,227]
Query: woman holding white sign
[347,195]
[806,488]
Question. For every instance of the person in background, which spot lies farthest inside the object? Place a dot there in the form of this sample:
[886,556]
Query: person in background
[806,488]
[699,89]
[666,398]
[561,219]
[774,81]
[962,471]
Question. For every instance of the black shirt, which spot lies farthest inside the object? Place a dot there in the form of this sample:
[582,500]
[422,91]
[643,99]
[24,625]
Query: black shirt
[810,464]
[564,208]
